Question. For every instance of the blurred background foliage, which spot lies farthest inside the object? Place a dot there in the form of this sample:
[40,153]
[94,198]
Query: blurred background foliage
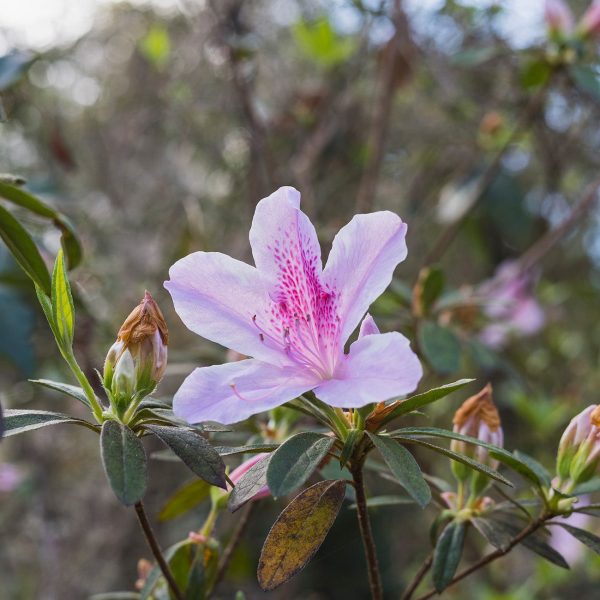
[158,127]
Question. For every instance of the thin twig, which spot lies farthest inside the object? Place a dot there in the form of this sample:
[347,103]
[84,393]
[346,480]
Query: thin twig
[414,584]
[156,551]
[398,50]
[231,547]
[536,252]
[488,176]
[366,532]
[492,556]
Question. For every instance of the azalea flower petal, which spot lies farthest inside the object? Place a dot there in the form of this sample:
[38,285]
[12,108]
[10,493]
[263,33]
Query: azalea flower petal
[217,297]
[363,257]
[377,368]
[368,326]
[232,392]
[282,236]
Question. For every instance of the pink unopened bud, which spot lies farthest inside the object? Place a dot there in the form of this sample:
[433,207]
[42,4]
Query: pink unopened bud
[579,449]
[478,417]
[238,472]
[589,26]
[558,16]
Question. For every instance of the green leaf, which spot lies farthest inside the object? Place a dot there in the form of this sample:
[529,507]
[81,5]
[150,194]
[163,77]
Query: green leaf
[295,461]
[155,575]
[534,470]
[440,347]
[248,449]
[495,534]
[24,250]
[46,305]
[70,243]
[19,421]
[589,487]
[354,436]
[319,42]
[2,426]
[447,554]
[184,499]
[156,46]
[586,80]
[420,400]
[195,452]
[536,73]
[404,467]
[504,456]
[591,540]
[299,532]
[477,466]
[124,461]
[429,288]
[381,501]
[64,388]
[63,311]
[535,543]
[249,484]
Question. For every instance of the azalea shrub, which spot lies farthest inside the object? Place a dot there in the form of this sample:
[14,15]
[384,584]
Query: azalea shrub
[328,381]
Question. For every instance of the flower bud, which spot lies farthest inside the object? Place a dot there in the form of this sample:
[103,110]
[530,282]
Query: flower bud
[589,26]
[558,17]
[137,361]
[477,417]
[579,449]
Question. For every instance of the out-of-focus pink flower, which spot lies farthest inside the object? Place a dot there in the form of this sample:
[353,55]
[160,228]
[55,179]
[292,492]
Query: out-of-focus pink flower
[510,306]
[237,473]
[10,477]
[563,542]
[558,16]
[589,25]
[292,316]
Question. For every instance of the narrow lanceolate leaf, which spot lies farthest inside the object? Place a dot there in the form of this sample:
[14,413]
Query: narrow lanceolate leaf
[496,535]
[477,466]
[404,467]
[24,250]
[420,400]
[64,388]
[295,461]
[194,451]
[19,421]
[383,501]
[184,499]
[46,305]
[63,311]
[249,484]
[1,422]
[591,540]
[534,470]
[535,542]
[448,551]
[354,436]
[17,195]
[522,465]
[249,449]
[124,461]
[299,532]
[440,346]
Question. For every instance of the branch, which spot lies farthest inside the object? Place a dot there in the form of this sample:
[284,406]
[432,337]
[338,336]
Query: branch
[488,176]
[395,70]
[492,556]
[540,248]
[156,551]
[414,584]
[366,532]
[232,545]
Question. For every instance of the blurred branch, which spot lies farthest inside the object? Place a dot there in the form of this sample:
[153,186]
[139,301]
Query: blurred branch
[487,178]
[232,545]
[414,584]
[492,556]
[395,71]
[156,551]
[261,167]
[540,248]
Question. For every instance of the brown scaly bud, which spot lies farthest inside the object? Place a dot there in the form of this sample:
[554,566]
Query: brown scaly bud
[477,417]
[137,360]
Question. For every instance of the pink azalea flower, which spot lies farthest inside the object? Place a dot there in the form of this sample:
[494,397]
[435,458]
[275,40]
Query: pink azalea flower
[292,316]
[590,22]
[511,307]
[10,477]
[237,473]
